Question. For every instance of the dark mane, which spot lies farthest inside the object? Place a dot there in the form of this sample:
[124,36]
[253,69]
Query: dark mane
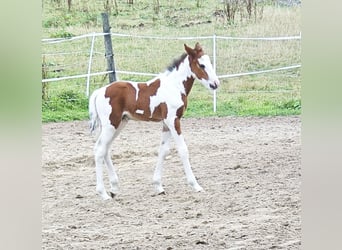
[176,62]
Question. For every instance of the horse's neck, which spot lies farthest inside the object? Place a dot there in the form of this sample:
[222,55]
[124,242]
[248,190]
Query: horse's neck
[182,76]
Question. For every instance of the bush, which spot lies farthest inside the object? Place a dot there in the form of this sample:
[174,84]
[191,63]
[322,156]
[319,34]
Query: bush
[246,8]
[66,105]
[61,34]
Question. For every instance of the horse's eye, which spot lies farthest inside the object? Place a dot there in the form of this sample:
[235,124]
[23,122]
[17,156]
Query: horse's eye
[202,66]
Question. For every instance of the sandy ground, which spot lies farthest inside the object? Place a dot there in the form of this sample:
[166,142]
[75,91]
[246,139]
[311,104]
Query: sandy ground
[249,168]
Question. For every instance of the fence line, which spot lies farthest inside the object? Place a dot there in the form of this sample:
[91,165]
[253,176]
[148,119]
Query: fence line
[75,76]
[261,38]
[260,72]
[63,53]
[213,37]
[60,40]
[137,73]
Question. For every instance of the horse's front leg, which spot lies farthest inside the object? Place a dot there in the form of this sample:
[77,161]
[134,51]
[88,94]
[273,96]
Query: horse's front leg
[184,154]
[164,149]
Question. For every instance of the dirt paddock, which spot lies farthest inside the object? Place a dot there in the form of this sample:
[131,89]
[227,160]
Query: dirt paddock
[249,168]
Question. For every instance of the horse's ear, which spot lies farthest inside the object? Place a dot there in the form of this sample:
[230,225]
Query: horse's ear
[198,47]
[199,50]
[189,51]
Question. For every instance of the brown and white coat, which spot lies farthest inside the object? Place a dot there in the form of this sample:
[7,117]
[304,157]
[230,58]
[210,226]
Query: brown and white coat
[162,99]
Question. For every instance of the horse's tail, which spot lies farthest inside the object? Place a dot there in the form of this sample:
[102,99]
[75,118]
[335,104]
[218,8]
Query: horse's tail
[94,118]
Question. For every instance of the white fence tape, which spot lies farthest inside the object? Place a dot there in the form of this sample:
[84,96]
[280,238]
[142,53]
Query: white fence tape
[259,72]
[75,76]
[261,38]
[60,40]
[136,73]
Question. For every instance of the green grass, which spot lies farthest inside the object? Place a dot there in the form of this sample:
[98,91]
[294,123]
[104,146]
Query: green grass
[275,93]
[65,106]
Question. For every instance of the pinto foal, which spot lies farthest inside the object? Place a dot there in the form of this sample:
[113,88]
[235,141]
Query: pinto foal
[163,98]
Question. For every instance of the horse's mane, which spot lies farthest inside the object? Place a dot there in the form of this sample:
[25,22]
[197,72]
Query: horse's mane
[176,62]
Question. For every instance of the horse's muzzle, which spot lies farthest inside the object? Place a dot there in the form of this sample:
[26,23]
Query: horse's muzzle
[214,85]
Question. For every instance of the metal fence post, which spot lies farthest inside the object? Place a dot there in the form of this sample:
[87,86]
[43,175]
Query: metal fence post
[214,66]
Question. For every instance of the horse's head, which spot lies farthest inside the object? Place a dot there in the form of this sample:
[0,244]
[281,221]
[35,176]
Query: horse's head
[201,67]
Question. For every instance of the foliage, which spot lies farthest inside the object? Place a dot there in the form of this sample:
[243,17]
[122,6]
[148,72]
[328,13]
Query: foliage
[67,105]
[245,8]
[61,34]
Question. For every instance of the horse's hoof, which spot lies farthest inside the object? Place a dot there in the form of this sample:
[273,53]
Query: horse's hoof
[112,195]
[198,189]
[162,193]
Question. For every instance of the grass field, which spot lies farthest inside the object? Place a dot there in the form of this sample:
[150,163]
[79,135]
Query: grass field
[276,93]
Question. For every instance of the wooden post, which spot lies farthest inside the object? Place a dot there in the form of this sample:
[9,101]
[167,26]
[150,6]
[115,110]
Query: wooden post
[44,84]
[109,49]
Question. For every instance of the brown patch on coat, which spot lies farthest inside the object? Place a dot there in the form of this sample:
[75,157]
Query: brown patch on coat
[187,86]
[160,112]
[122,98]
[177,126]
[145,92]
[180,111]
[188,83]
[198,71]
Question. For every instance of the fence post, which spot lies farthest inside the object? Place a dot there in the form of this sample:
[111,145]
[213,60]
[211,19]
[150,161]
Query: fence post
[214,66]
[44,84]
[109,49]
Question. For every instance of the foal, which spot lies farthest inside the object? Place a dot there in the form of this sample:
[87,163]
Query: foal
[163,98]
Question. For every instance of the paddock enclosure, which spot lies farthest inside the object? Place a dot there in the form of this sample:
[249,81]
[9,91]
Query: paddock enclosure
[249,168]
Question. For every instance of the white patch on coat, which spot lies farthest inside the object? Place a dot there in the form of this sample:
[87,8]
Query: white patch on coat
[171,88]
[212,78]
[205,60]
[104,109]
[139,111]
[135,86]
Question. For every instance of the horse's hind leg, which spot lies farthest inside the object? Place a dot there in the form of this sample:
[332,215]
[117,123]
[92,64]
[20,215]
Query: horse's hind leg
[163,151]
[113,178]
[101,157]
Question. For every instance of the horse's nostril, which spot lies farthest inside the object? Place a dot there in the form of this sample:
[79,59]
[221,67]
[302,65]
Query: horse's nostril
[213,86]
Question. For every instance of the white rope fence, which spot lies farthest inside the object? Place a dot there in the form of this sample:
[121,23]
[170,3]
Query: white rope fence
[75,76]
[213,37]
[61,40]
[260,72]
